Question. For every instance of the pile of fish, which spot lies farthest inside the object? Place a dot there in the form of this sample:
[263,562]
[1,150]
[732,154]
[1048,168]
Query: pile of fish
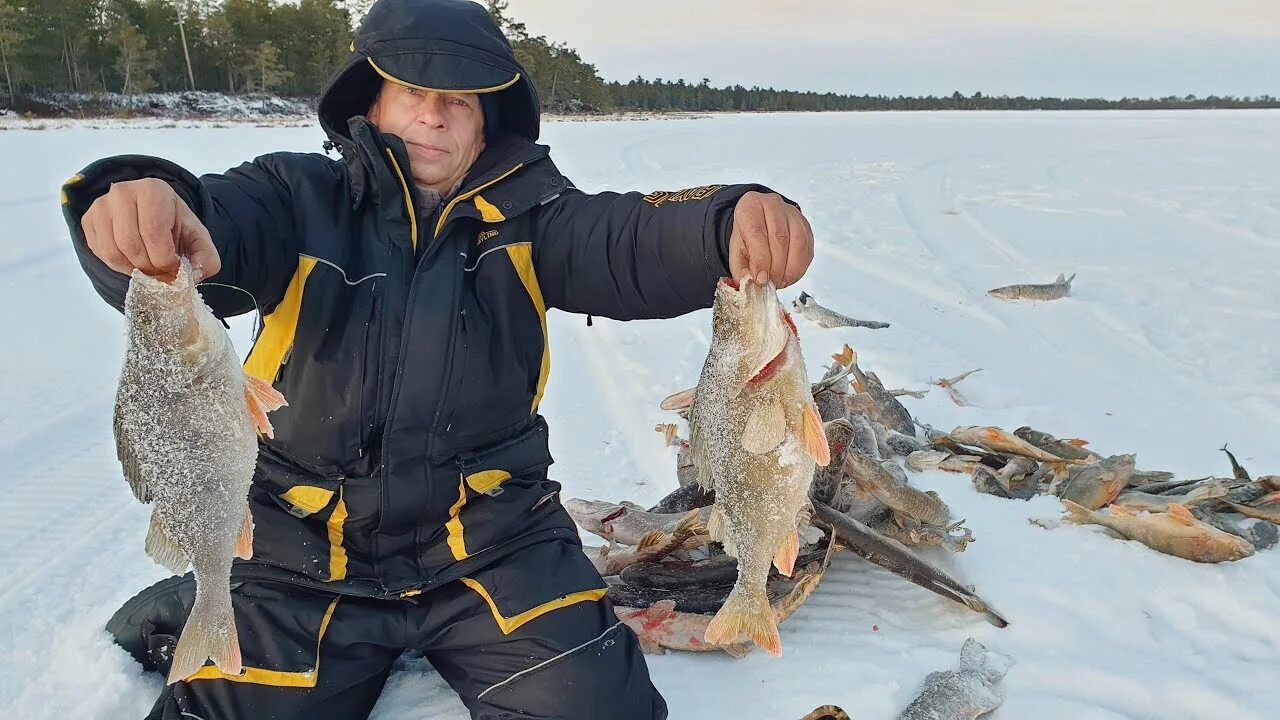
[778,474]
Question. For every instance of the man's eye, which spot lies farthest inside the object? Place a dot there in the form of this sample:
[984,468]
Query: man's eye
[410,90]
[460,102]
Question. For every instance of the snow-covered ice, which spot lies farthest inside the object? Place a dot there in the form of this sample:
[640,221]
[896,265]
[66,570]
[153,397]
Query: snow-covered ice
[1167,347]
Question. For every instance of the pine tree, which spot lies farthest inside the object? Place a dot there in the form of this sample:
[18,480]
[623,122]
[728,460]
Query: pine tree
[135,61]
[10,37]
[265,72]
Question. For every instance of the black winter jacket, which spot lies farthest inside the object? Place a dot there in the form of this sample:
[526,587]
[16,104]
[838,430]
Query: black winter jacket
[411,451]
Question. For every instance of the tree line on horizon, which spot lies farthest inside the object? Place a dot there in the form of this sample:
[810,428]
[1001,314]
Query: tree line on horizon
[287,48]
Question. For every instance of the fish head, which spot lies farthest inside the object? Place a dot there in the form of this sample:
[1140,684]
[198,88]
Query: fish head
[595,516]
[750,325]
[166,317]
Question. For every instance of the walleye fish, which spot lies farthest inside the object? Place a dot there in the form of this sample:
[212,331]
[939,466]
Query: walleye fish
[884,406]
[925,460]
[1054,446]
[904,445]
[986,481]
[827,712]
[1098,484]
[961,694]
[870,478]
[755,439]
[1176,532]
[810,310]
[623,522]
[827,480]
[1055,290]
[1137,500]
[185,426]
[997,440]
[864,437]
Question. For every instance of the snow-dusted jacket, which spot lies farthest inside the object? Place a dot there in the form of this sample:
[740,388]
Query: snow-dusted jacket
[413,349]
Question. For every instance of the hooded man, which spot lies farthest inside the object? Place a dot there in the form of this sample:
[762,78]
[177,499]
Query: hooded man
[404,503]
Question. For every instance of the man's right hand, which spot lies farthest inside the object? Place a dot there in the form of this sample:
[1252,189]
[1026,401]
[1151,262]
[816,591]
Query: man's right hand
[144,224]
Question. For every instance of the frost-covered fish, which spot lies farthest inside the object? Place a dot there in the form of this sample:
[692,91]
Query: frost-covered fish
[185,426]
[873,479]
[1054,446]
[925,460]
[961,694]
[1138,501]
[885,408]
[1059,288]
[623,522]
[1098,484]
[810,310]
[997,440]
[1176,532]
[1264,508]
[755,438]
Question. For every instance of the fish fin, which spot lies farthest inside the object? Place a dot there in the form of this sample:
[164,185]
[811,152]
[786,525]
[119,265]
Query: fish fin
[1077,513]
[845,356]
[785,557]
[210,632]
[717,531]
[1120,511]
[815,438]
[161,548]
[739,616]
[244,540]
[1075,441]
[689,526]
[261,399]
[736,650]
[678,401]
[1061,279]
[1181,514]
[765,429]
[651,539]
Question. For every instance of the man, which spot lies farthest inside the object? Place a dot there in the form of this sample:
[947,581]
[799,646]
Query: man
[404,503]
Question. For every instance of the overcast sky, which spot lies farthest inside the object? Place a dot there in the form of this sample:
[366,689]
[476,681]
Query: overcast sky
[1108,48]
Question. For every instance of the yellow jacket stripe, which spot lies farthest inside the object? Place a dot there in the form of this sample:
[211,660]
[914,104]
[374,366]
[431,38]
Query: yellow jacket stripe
[509,624]
[308,498]
[522,259]
[488,211]
[453,527]
[337,553]
[274,678]
[280,327]
[408,202]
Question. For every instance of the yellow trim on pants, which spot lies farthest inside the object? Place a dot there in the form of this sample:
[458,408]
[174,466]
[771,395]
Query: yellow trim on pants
[509,624]
[274,678]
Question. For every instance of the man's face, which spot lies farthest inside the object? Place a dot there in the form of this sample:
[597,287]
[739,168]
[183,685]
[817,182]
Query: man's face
[443,132]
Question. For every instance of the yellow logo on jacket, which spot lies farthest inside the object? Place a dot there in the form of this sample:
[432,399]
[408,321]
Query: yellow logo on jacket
[486,235]
[703,192]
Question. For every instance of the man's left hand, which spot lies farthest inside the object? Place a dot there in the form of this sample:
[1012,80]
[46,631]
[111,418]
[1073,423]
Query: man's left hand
[771,240]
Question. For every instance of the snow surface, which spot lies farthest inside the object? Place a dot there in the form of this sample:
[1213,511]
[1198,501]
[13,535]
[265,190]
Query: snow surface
[1167,348]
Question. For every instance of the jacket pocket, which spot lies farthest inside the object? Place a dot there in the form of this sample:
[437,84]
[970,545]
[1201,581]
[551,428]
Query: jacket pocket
[300,519]
[500,488]
[535,581]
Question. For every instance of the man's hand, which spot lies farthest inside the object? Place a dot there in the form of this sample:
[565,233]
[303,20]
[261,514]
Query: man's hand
[144,224]
[771,240]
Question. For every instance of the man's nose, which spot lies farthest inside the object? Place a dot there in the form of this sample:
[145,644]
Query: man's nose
[432,110]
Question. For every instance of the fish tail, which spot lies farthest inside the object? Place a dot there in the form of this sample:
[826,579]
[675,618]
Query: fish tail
[210,632]
[1077,514]
[743,615]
